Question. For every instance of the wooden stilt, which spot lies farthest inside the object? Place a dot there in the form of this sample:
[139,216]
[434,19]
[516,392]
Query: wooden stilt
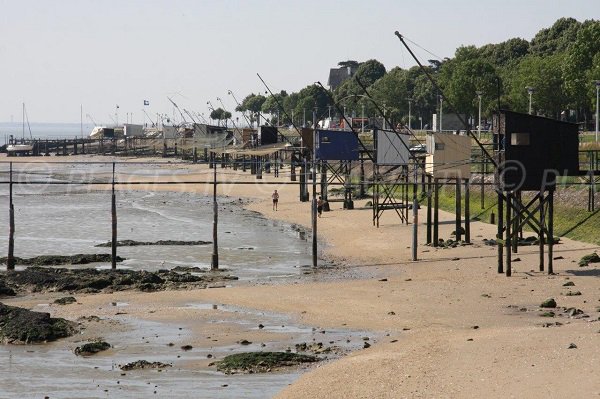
[429,194]
[113,246]
[500,233]
[436,216]
[467,213]
[541,233]
[10,260]
[457,210]
[550,231]
[508,234]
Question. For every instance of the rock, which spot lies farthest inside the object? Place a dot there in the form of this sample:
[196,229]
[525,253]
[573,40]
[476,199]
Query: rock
[260,326]
[366,345]
[392,313]
[6,291]
[572,346]
[91,280]
[569,284]
[383,279]
[261,362]
[143,364]
[548,303]
[22,326]
[573,293]
[516,260]
[189,269]
[91,348]
[53,260]
[133,243]
[244,342]
[574,312]
[65,300]
[547,314]
[590,258]
[187,347]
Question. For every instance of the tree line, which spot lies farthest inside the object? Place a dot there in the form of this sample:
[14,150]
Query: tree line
[558,69]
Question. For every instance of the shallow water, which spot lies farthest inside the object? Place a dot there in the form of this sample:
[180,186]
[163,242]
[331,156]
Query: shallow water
[250,246]
[55,219]
[53,369]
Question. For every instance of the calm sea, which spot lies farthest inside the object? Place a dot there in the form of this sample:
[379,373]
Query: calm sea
[44,130]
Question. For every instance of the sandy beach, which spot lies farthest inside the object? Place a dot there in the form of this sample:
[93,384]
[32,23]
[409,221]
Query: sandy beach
[448,325]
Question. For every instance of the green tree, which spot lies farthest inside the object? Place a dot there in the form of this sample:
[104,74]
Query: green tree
[274,104]
[220,114]
[545,76]
[578,62]
[368,72]
[252,103]
[555,39]
[505,54]
[465,75]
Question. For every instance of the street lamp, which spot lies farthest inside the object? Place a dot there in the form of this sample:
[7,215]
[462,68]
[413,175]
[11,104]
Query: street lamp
[479,94]
[441,110]
[530,90]
[409,113]
[362,124]
[597,103]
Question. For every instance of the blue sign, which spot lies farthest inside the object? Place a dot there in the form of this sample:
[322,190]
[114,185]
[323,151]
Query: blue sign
[336,145]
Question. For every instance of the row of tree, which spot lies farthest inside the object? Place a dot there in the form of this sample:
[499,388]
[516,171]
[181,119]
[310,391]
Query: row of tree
[560,67]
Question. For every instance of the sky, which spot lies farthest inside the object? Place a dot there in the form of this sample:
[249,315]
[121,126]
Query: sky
[60,57]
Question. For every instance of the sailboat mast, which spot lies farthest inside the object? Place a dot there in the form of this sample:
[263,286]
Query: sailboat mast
[23,134]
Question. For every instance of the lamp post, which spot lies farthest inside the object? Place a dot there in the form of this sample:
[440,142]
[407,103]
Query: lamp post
[409,113]
[597,103]
[421,121]
[530,90]
[441,111]
[479,94]
[362,123]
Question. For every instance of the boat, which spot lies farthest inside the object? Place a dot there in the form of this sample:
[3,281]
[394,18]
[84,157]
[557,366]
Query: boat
[22,147]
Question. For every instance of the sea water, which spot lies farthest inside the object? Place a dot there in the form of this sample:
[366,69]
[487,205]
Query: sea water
[40,130]
[74,219]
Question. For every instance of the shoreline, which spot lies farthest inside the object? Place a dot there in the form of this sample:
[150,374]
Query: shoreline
[456,328]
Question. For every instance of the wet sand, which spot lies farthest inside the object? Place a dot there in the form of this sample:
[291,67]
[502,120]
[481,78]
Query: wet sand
[451,326]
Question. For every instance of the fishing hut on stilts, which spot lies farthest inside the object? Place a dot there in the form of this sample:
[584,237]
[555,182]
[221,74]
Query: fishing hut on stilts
[533,154]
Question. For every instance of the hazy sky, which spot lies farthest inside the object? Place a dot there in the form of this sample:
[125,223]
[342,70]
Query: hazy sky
[56,55]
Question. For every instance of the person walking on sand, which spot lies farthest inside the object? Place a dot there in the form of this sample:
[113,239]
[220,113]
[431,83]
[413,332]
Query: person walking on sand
[275,197]
[320,206]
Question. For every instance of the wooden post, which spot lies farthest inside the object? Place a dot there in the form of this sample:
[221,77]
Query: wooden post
[314,200]
[550,231]
[483,161]
[10,260]
[362,178]
[467,212]
[542,226]
[214,264]
[113,258]
[258,167]
[508,234]
[458,207]
[436,190]
[500,233]
[429,194]
[516,219]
